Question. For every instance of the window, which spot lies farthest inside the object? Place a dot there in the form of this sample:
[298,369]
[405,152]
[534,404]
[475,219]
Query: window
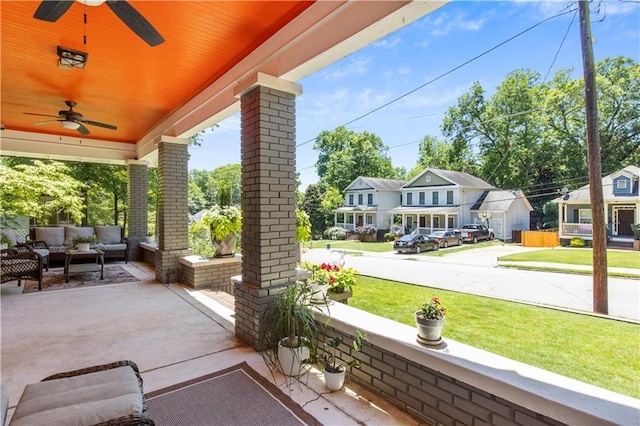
[350,199]
[369,199]
[436,222]
[584,216]
[434,198]
[409,198]
[360,199]
[427,178]
[421,197]
[450,222]
[621,184]
[449,197]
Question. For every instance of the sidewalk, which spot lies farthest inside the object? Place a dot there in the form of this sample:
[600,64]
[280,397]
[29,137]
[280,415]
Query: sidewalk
[478,272]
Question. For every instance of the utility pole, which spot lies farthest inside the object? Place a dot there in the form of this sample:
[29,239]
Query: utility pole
[600,285]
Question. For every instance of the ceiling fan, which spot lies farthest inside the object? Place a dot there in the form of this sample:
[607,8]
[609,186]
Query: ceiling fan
[73,120]
[52,10]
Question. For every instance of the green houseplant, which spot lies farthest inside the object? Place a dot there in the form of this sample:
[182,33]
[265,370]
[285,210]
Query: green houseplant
[335,368]
[290,330]
[83,242]
[429,322]
[224,223]
[635,227]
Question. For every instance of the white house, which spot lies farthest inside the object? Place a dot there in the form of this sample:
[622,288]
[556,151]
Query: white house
[621,206]
[435,199]
[368,201]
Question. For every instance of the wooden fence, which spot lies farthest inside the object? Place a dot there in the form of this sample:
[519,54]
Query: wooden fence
[540,239]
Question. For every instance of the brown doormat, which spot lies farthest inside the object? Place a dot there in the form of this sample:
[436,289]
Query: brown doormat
[237,395]
[54,279]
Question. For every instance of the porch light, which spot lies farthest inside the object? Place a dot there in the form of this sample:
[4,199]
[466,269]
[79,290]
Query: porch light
[69,58]
[91,2]
[70,124]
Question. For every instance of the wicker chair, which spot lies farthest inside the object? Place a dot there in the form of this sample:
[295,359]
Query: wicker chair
[20,263]
[40,399]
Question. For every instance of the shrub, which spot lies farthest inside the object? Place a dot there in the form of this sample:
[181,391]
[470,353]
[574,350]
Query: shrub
[366,230]
[577,242]
[335,233]
[390,236]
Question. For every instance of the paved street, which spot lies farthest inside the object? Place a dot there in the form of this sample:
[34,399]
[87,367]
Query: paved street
[475,272]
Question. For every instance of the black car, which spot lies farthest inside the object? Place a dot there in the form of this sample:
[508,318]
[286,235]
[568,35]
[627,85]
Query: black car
[415,243]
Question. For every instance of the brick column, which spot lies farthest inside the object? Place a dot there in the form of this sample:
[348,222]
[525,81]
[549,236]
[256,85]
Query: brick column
[138,204]
[268,198]
[173,229]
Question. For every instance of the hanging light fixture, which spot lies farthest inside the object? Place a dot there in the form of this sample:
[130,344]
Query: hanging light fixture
[91,2]
[72,125]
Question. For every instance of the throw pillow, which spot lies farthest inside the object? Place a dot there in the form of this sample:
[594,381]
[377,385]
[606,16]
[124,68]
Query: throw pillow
[54,236]
[109,234]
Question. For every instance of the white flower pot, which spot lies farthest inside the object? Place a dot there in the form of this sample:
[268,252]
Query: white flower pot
[226,247]
[334,381]
[291,360]
[83,246]
[318,292]
[429,331]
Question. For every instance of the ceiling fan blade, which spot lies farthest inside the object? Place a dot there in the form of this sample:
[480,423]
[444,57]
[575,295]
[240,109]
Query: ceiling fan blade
[134,20]
[45,122]
[95,123]
[83,130]
[42,115]
[51,11]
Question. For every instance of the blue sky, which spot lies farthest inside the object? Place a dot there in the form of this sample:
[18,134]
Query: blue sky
[422,51]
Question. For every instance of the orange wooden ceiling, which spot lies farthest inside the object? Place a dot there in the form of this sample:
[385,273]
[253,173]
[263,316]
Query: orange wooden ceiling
[125,82]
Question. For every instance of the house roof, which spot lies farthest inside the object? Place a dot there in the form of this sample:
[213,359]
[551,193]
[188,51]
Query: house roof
[379,184]
[191,81]
[500,200]
[356,209]
[426,210]
[582,196]
[456,178]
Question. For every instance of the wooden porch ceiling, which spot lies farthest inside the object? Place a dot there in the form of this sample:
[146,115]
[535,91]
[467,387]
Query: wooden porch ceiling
[173,89]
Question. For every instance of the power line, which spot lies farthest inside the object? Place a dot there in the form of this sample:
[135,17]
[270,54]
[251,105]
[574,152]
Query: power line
[447,72]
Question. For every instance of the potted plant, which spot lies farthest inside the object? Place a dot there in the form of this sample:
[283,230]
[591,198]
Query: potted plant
[429,321]
[148,238]
[83,243]
[5,241]
[635,227]
[334,368]
[224,223]
[367,233]
[290,330]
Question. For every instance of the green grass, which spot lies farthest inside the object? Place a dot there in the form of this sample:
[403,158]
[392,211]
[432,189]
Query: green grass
[570,271]
[594,350]
[351,245]
[573,256]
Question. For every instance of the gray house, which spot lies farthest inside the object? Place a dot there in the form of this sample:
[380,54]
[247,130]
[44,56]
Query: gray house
[621,206]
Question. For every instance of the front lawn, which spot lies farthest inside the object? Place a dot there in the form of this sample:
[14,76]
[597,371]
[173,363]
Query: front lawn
[594,350]
[350,245]
[577,256]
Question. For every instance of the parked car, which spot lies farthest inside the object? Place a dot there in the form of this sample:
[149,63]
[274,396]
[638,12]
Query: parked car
[415,243]
[476,232]
[447,238]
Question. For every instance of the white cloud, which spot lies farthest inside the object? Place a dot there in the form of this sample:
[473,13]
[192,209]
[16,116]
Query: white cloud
[388,43]
[404,70]
[444,23]
[358,66]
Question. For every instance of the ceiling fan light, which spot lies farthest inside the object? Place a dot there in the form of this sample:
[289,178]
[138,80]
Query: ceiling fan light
[72,125]
[92,2]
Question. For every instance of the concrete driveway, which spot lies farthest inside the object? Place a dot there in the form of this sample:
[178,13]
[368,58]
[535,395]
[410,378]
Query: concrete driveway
[476,272]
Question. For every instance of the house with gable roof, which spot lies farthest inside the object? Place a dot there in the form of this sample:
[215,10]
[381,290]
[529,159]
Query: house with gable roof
[433,200]
[368,201]
[621,197]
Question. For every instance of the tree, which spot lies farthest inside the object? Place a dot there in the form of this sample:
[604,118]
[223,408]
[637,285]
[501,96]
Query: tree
[331,200]
[432,153]
[40,190]
[344,155]
[210,183]
[311,206]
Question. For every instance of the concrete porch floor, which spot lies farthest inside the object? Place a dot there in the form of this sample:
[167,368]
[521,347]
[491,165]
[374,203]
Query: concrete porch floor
[173,333]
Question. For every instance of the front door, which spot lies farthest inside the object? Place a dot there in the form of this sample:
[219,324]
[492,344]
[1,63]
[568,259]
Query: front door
[625,219]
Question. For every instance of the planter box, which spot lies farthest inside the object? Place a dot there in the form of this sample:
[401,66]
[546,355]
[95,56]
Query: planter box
[636,245]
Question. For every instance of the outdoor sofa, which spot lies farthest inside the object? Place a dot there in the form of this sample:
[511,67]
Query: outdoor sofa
[57,239]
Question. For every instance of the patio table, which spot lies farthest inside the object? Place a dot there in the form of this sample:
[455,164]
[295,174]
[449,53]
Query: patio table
[72,254]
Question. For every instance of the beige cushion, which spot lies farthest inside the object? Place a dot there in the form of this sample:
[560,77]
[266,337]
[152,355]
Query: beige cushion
[70,232]
[109,234]
[81,400]
[54,236]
